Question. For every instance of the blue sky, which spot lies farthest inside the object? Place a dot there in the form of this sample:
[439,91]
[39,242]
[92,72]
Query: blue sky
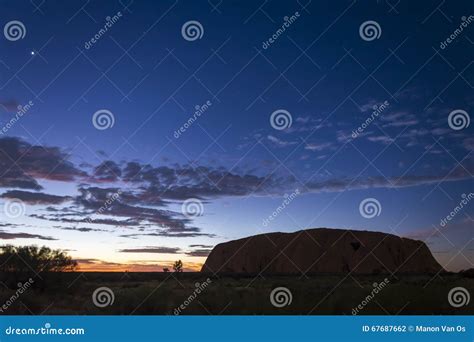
[320,70]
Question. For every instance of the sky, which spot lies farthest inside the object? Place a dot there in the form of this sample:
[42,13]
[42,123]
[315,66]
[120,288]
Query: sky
[134,134]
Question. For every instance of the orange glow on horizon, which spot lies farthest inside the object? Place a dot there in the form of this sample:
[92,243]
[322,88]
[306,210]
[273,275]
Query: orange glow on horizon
[102,266]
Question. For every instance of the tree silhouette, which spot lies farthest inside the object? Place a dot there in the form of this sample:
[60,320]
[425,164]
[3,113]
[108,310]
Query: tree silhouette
[166,269]
[178,266]
[33,259]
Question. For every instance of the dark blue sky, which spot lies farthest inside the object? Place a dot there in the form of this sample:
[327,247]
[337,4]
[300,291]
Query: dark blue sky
[319,69]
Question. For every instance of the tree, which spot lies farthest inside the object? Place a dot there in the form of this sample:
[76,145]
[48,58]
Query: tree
[28,259]
[178,266]
[166,269]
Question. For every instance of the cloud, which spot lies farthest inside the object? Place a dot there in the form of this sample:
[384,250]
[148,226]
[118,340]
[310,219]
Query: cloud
[159,250]
[100,200]
[200,250]
[302,119]
[381,138]
[201,246]
[369,106]
[203,252]
[13,236]
[401,123]
[143,193]
[21,164]
[280,143]
[399,119]
[395,116]
[35,197]
[334,185]
[318,147]
[168,234]
[130,222]
[81,229]
[183,182]
[107,171]
[106,206]
[9,105]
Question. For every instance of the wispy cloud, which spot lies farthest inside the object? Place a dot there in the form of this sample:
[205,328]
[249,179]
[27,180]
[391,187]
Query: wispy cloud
[318,146]
[279,142]
[21,164]
[35,197]
[149,249]
[13,236]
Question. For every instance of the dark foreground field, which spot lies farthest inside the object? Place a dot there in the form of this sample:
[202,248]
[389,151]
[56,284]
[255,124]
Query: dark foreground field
[168,294]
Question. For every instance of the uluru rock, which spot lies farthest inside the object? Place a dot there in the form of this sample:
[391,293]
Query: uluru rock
[322,250]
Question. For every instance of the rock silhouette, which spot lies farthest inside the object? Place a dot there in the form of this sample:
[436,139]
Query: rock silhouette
[322,250]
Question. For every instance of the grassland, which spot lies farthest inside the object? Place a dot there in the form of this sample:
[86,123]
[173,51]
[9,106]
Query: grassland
[162,293]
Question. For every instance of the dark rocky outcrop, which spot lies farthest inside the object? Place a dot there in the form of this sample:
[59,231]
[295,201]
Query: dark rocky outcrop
[322,250]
